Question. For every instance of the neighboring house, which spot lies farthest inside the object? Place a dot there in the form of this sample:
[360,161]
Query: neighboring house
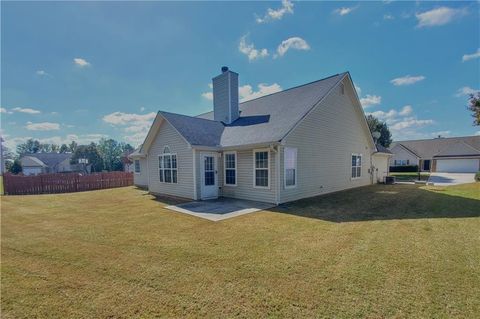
[42,163]
[449,155]
[301,142]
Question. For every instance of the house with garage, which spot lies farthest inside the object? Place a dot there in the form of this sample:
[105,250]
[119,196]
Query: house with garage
[304,141]
[44,163]
[443,155]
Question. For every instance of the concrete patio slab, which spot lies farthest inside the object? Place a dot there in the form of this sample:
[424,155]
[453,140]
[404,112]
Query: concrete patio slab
[447,179]
[220,209]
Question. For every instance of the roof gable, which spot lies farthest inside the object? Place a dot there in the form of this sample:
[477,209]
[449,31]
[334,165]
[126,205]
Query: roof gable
[265,119]
[457,149]
[431,147]
[50,159]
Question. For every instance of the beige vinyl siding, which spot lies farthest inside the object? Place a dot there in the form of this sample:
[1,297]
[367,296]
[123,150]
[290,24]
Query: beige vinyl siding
[64,166]
[400,153]
[168,136]
[380,164]
[141,179]
[325,141]
[244,188]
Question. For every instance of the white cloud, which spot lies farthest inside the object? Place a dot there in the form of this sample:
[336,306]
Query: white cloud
[344,10]
[359,90]
[43,126]
[82,63]
[388,17]
[295,43]
[406,110]
[467,57]
[26,110]
[403,124]
[42,73]
[250,51]
[4,110]
[246,92]
[142,109]
[410,122]
[138,124]
[120,118]
[271,14]
[477,133]
[465,91]
[370,100]
[407,80]
[438,16]
[208,96]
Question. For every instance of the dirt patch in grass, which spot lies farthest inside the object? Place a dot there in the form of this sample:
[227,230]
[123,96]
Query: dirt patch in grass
[379,251]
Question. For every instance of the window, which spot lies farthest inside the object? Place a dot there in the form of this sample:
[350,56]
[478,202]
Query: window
[167,167]
[137,166]
[290,164]
[261,168]
[342,88]
[356,165]
[230,163]
[401,162]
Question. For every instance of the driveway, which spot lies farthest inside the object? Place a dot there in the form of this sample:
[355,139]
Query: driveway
[447,179]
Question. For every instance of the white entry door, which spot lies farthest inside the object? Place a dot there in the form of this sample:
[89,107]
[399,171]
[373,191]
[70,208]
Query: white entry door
[208,163]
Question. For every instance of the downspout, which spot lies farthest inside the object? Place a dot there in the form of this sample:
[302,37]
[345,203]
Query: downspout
[277,173]
[148,172]
[194,174]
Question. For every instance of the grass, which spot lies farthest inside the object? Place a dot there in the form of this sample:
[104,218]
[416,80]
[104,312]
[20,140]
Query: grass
[400,251]
[410,177]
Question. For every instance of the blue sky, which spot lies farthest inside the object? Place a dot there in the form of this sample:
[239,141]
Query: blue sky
[88,70]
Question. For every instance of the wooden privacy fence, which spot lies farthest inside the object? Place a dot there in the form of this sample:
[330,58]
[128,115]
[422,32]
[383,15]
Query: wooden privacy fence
[64,183]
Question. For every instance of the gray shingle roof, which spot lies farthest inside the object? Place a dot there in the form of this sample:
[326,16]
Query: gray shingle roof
[382,149]
[30,161]
[50,159]
[452,146]
[262,120]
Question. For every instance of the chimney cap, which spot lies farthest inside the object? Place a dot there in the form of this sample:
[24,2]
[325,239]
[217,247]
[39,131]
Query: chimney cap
[224,69]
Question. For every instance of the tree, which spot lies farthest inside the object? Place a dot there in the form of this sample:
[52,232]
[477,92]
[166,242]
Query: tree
[73,146]
[64,148]
[30,146]
[474,107]
[375,125]
[111,153]
[89,152]
[16,167]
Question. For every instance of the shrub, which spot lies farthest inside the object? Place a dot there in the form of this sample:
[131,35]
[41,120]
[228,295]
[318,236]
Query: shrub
[406,168]
[477,177]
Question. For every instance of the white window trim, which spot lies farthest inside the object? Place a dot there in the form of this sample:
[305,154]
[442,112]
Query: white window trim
[285,168]
[135,167]
[158,165]
[225,168]
[268,167]
[361,165]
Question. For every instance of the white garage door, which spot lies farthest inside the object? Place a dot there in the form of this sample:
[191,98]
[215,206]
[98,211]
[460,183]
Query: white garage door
[457,166]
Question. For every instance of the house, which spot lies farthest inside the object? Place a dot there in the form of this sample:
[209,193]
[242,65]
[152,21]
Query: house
[448,155]
[42,163]
[301,142]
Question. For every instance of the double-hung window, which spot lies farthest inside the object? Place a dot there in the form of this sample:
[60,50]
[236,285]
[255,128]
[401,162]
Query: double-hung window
[261,168]
[230,164]
[137,166]
[167,167]
[290,164]
[356,165]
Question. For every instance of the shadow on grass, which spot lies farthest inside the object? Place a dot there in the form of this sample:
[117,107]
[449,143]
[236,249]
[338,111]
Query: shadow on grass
[383,202]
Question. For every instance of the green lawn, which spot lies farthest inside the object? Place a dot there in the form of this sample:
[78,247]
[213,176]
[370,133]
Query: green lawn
[410,177]
[400,251]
